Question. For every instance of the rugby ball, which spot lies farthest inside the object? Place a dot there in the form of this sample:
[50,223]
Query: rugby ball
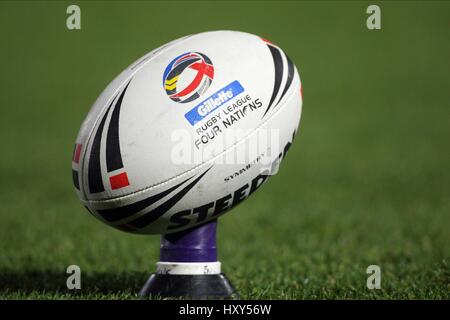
[187,132]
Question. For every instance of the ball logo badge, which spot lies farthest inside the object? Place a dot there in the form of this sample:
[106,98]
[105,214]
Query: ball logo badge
[188,76]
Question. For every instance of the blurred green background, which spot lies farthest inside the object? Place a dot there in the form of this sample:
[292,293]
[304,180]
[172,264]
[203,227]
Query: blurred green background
[366,182]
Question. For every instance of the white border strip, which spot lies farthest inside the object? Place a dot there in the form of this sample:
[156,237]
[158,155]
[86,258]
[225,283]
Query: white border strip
[187,268]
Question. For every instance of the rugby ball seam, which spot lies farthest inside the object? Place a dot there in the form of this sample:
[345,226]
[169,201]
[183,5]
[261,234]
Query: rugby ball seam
[204,164]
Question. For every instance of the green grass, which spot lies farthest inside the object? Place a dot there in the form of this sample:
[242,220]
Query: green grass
[366,182]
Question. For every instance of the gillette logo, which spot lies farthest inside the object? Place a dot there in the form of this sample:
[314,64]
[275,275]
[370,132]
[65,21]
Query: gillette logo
[213,102]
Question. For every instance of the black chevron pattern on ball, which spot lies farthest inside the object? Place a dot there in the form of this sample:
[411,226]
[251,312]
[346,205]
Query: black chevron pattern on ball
[154,214]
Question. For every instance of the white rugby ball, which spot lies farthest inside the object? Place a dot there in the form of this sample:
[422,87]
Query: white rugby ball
[187,132]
